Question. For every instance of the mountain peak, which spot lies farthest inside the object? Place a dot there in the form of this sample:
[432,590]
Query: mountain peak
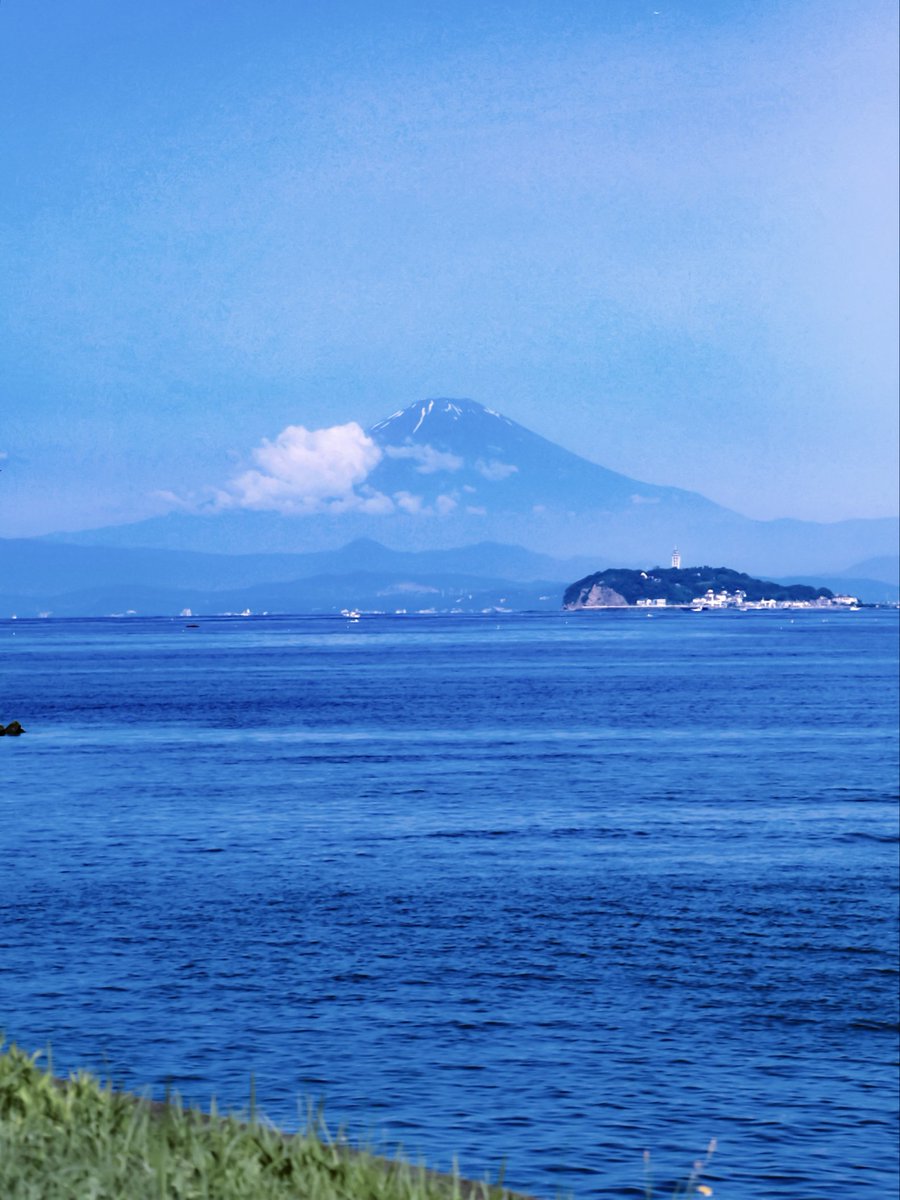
[434,415]
[449,472]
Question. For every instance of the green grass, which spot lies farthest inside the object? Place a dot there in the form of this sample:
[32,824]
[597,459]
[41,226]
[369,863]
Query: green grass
[78,1139]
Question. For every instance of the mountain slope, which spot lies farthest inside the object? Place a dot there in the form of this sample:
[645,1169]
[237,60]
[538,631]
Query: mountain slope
[34,567]
[886,568]
[500,463]
[448,473]
[369,591]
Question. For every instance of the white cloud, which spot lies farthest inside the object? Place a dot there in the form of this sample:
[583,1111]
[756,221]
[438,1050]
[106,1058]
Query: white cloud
[306,471]
[172,500]
[444,505]
[374,503]
[311,470]
[495,470]
[476,510]
[429,460]
[409,503]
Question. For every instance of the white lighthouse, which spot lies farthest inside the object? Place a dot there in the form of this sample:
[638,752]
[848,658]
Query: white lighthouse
[676,559]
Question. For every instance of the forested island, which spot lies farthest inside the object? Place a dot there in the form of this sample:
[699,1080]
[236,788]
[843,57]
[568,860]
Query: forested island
[693,587]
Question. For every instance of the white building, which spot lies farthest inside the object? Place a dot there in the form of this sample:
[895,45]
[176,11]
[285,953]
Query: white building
[676,559]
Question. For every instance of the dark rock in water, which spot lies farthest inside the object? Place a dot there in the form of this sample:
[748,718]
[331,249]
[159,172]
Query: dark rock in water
[13,729]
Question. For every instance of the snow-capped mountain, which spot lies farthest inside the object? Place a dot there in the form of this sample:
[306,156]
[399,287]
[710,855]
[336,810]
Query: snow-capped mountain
[482,460]
[450,473]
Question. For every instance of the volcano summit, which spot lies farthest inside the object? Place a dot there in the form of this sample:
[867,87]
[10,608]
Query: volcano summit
[450,472]
[491,465]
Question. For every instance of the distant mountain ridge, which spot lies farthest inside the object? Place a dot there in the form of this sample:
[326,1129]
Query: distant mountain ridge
[885,568]
[322,594]
[38,567]
[450,473]
[39,576]
[369,591]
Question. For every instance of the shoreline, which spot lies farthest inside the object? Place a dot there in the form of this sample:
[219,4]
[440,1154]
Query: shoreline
[36,1104]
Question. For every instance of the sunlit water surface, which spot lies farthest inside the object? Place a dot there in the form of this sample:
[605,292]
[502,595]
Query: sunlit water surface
[549,890]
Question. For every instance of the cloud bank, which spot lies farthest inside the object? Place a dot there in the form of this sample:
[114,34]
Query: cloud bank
[494,470]
[311,471]
[428,459]
[303,472]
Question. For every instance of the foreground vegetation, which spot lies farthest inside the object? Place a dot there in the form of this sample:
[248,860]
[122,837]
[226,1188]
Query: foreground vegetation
[79,1138]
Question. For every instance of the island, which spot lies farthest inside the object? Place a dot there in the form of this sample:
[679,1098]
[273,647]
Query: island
[696,588]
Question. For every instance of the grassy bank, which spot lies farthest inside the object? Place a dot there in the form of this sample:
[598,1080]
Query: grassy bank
[61,1140]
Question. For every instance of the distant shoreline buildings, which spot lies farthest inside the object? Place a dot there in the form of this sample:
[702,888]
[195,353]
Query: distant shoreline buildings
[738,599]
[696,589]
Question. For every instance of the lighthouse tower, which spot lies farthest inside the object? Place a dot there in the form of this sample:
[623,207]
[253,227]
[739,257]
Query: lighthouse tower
[676,559]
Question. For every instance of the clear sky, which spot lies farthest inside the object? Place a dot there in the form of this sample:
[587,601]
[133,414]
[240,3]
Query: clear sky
[662,234]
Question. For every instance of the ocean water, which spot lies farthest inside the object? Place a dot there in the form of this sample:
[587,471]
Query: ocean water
[547,890]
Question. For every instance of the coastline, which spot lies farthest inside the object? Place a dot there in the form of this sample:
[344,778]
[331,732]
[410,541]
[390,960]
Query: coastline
[93,1134]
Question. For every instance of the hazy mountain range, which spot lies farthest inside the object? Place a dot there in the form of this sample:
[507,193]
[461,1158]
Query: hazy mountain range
[444,504]
[449,473]
[38,576]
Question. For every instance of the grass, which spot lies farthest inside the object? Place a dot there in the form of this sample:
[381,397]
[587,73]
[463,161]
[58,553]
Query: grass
[79,1139]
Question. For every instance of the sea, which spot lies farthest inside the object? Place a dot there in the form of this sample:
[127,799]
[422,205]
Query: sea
[536,894]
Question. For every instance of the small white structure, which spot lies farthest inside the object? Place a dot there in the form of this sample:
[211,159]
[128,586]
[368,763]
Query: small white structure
[676,559]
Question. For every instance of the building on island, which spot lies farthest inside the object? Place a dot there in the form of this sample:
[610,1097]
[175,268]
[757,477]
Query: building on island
[725,599]
[676,559]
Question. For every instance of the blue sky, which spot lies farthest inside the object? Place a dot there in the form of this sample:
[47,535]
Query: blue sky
[663,235]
